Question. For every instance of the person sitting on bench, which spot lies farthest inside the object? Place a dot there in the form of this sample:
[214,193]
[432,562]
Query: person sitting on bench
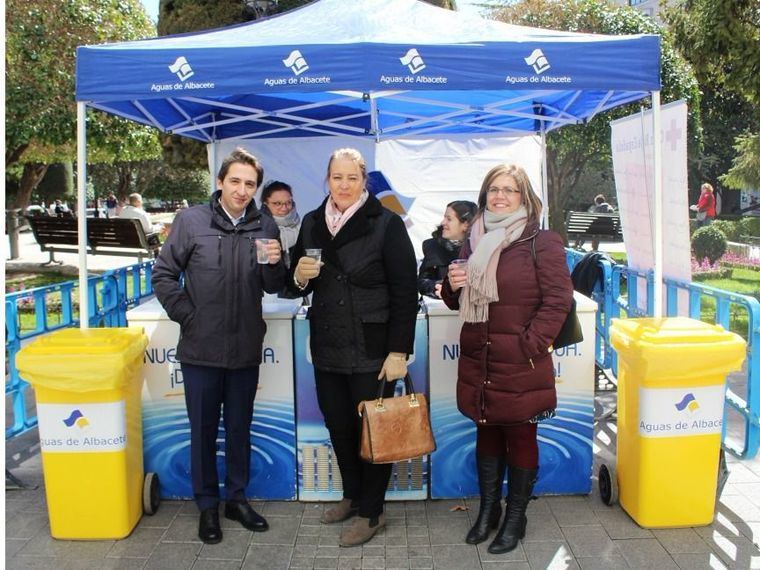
[601,206]
[135,211]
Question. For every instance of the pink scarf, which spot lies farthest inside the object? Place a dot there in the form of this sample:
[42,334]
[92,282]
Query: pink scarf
[335,219]
[489,235]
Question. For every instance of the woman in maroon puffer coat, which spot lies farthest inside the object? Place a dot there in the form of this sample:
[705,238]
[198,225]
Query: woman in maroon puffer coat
[513,295]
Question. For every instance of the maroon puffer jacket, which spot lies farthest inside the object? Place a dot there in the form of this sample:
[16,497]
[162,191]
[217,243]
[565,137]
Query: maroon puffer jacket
[506,374]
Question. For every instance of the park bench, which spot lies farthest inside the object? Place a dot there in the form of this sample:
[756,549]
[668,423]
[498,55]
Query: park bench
[582,226]
[115,236]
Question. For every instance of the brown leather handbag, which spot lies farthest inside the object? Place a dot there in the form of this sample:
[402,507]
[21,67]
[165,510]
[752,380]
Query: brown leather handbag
[395,429]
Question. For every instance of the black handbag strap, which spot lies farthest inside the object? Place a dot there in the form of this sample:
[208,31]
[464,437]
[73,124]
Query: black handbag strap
[407,385]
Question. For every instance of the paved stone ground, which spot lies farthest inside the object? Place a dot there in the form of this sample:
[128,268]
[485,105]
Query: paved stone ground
[563,532]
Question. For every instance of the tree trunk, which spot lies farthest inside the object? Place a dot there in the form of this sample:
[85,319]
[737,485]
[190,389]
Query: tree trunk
[12,156]
[33,173]
[125,171]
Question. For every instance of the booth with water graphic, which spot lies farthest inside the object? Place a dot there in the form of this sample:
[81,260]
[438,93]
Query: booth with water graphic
[318,474]
[166,429]
[565,441]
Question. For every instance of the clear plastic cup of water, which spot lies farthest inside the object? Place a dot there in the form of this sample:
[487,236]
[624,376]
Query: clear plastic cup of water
[262,254]
[315,253]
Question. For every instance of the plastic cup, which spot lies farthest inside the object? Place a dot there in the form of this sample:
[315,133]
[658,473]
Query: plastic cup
[262,254]
[314,253]
[460,264]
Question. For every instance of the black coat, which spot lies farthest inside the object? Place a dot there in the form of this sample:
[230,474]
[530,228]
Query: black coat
[365,299]
[437,254]
[218,307]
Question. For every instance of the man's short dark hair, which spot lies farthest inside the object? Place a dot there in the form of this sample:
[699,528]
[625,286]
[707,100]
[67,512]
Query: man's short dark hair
[242,156]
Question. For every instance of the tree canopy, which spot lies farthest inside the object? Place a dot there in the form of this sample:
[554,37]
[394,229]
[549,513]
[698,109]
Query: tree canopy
[41,42]
[721,39]
[573,149]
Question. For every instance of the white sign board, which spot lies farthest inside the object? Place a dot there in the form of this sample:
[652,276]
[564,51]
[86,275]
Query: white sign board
[632,153]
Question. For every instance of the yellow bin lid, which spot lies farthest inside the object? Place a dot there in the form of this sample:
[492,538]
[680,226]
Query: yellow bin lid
[677,346]
[77,360]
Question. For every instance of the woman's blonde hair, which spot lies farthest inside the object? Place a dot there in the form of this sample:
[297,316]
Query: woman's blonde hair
[528,197]
[350,154]
[707,186]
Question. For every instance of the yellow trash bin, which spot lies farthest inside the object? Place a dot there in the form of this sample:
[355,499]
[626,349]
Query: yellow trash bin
[671,388]
[87,385]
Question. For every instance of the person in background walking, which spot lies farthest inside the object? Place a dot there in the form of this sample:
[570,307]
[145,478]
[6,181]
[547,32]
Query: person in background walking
[513,295]
[111,204]
[705,206]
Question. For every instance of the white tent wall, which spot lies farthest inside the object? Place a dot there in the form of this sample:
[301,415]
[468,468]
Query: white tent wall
[425,174]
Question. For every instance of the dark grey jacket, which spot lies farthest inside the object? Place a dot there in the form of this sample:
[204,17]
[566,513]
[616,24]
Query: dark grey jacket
[365,298]
[219,305]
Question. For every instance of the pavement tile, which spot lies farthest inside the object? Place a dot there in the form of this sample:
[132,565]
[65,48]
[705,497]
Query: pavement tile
[203,564]
[396,563]
[448,530]
[373,562]
[349,563]
[455,557]
[738,508]
[326,563]
[572,513]
[681,541]
[25,525]
[13,545]
[234,546]
[699,562]
[282,530]
[170,556]
[301,562]
[165,515]
[139,544]
[505,566]
[420,551]
[421,562]
[371,549]
[30,563]
[283,508]
[42,544]
[328,551]
[645,553]
[517,555]
[309,530]
[542,527]
[591,540]
[615,561]
[734,551]
[396,551]
[619,525]
[267,557]
[416,530]
[440,508]
[184,529]
[550,554]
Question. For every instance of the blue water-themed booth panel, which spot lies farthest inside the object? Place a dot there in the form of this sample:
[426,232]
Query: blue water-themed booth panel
[166,429]
[565,441]
[318,474]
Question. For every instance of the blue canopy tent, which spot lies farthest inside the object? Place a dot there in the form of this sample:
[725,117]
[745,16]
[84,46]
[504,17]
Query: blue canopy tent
[375,69]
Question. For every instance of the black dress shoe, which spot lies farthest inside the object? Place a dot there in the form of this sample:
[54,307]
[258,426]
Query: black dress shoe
[209,530]
[245,515]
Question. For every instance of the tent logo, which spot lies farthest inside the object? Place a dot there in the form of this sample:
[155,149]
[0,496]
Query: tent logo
[296,62]
[413,60]
[182,68]
[538,60]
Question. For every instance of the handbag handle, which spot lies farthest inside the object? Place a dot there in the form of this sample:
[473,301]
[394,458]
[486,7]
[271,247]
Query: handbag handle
[413,402]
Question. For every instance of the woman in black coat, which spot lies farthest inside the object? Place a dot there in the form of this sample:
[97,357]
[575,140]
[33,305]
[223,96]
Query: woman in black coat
[444,246]
[356,257]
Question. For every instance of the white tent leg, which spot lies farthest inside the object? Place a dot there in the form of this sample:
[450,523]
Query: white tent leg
[84,305]
[657,161]
[544,179]
[212,165]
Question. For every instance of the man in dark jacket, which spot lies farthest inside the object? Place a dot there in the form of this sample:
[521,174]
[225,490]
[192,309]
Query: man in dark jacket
[218,308]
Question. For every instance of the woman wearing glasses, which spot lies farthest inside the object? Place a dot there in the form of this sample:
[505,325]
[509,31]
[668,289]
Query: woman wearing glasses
[277,201]
[513,295]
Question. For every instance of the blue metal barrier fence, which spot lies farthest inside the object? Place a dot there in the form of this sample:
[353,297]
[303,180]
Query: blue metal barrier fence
[38,311]
[619,291]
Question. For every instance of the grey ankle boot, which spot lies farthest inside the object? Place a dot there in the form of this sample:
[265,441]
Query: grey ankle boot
[490,479]
[340,512]
[361,530]
[520,486]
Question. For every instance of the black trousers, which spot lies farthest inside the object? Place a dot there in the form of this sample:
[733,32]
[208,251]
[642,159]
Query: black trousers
[207,391]
[338,396]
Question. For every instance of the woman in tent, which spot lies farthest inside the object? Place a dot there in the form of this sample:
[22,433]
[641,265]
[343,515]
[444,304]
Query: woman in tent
[444,246]
[513,296]
[277,201]
[357,259]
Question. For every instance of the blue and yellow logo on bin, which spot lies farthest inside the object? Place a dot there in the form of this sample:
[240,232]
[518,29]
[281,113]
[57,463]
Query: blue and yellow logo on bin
[688,402]
[76,418]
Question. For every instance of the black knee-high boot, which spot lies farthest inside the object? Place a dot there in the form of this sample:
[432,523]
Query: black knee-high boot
[490,479]
[520,486]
